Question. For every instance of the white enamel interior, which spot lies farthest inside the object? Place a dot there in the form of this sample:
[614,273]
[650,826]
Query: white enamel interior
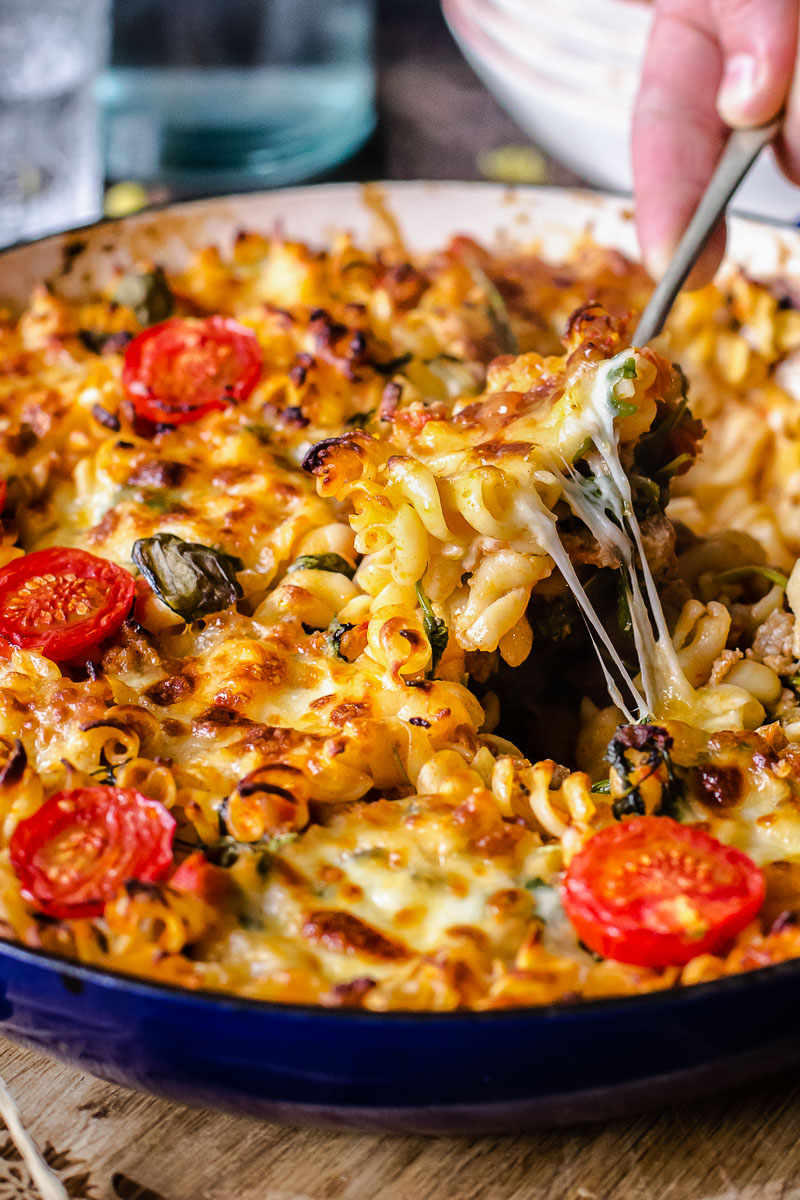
[428,213]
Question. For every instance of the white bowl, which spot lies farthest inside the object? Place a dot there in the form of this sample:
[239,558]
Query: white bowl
[590,138]
[588,129]
[622,15]
[614,29]
[582,66]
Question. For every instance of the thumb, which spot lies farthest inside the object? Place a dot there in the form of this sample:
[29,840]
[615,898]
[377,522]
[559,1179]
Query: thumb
[758,40]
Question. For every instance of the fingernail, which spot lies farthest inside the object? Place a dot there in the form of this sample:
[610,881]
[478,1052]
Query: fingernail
[738,88]
[656,260]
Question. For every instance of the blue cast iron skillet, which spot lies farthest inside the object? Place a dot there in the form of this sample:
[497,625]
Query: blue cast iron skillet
[420,1072]
[417,1072]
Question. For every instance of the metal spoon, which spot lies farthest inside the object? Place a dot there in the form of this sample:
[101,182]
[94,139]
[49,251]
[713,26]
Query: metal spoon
[744,146]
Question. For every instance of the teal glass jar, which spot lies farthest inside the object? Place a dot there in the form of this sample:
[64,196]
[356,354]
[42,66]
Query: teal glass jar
[208,96]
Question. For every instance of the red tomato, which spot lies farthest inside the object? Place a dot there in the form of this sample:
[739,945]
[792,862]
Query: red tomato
[656,893]
[3,494]
[63,601]
[81,846]
[182,369]
[200,877]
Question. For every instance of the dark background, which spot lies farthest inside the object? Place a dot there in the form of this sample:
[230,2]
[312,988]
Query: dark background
[435,117]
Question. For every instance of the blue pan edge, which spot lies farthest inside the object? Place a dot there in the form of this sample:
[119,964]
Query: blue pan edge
[471,1072]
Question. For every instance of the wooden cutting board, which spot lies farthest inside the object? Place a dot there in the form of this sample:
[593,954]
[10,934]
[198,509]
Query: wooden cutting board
[110,1144]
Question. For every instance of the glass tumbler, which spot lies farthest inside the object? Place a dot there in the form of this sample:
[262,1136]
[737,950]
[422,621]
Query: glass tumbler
[50,163]
[224,95]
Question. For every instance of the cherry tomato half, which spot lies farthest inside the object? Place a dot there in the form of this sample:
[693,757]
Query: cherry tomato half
[199,877]
[81,846]
[180,370]
[63,601]
[656,893]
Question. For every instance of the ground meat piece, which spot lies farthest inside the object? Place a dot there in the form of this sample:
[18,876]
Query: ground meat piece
[134,651]
[772,644]
[722,665]
[674,591]
[658,536]
[582,547]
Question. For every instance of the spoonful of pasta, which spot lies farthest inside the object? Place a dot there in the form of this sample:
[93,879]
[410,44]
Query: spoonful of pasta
[741,151]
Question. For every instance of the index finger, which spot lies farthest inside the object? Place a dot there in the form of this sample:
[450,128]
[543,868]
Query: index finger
[677,135]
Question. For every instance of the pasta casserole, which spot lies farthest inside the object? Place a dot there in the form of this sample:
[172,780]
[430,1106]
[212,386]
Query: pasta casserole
[386,631]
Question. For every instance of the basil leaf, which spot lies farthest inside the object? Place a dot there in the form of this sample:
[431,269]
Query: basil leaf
[105,343]
[653,744]
[622,408]
[435,630]
[323,562]
[624,619]
[458,376]
[147,293]
[495,306]
[360,420]
[584,448]
[768,573]
[675,465]
[630,804]
[333,636]
[625,370]
[649,497]
[552,618]
[391,365]
[191,579]
[598,958]
[280,840]
[225,852]
[260,431]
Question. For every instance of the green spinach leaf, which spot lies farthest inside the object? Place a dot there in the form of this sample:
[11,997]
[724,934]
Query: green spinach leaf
[147,293]
[495,305]
[323,562]
[435,630]
[334,634]
[191,579]
[768,573]
[625,370]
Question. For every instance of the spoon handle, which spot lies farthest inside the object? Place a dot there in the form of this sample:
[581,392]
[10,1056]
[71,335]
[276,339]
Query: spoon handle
[741,151]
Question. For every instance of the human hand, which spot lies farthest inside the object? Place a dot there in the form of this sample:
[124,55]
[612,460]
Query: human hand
[710,64]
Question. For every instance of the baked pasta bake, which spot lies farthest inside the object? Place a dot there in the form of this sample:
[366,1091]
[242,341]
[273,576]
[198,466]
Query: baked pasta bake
[388,632]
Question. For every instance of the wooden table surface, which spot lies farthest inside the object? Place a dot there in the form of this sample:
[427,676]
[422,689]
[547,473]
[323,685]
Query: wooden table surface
[109,1144]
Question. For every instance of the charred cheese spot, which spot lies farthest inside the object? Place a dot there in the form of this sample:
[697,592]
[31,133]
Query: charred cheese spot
[219,717]
[159,473]
[343,933]
[171,690]
[719,787]
[343,713]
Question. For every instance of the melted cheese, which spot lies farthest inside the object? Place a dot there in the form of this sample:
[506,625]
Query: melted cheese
[665,685]
[606,508]
[399,881]
[408,856]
